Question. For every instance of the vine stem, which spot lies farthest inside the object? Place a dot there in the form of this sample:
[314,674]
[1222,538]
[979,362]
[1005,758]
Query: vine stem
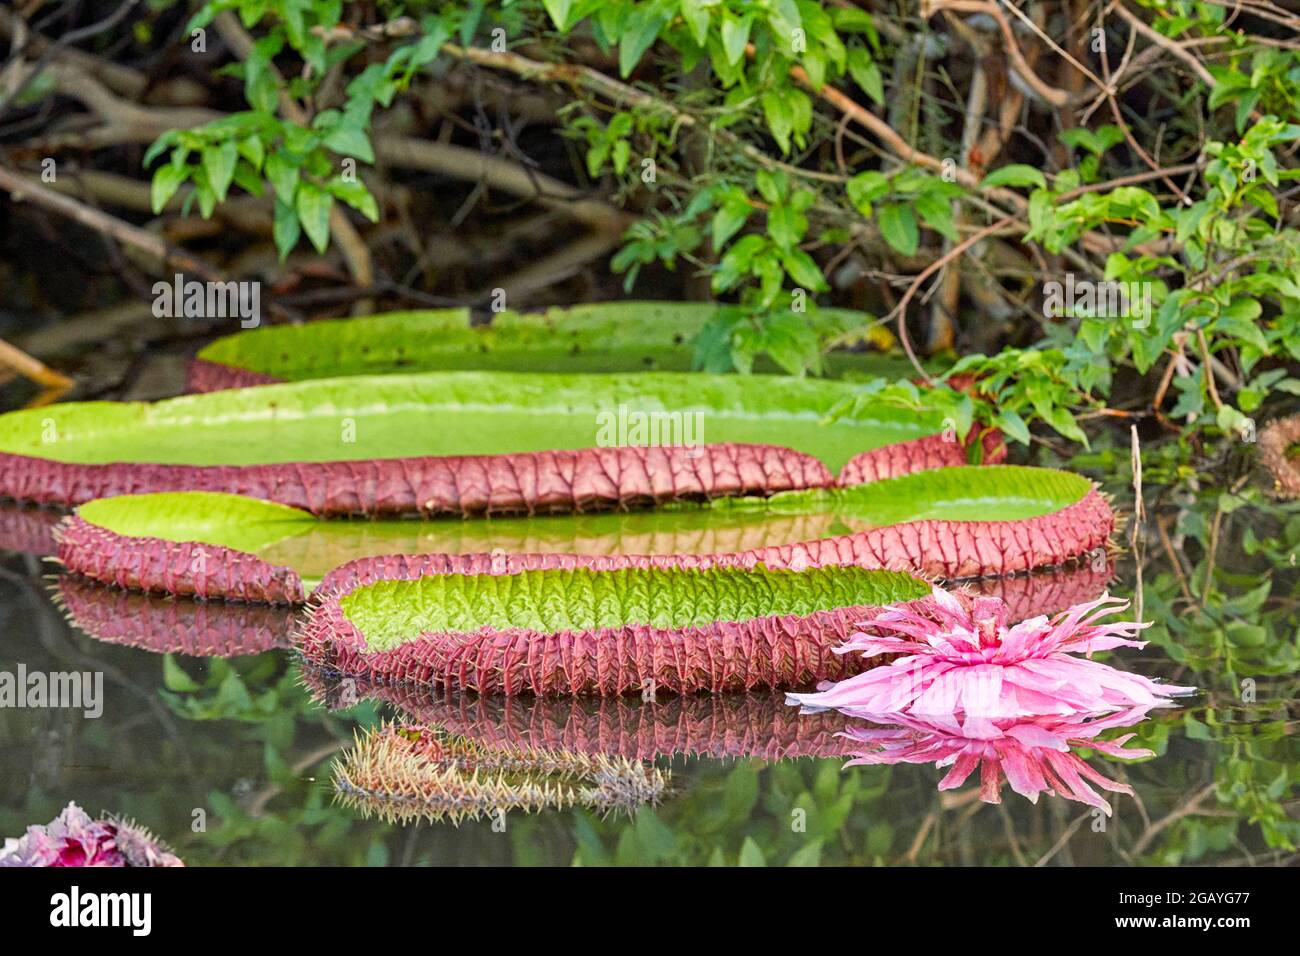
[1136,541]
[899,312]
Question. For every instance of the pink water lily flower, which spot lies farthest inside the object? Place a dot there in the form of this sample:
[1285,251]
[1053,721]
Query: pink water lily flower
[957,655]
[1033,755]
[74,839]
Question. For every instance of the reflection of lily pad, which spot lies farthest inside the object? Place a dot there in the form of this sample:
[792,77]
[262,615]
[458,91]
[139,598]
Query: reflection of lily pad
[756,725]
[602,337]
[956,522]
[405,772]
[28,530]
[1048,592]
[169,625]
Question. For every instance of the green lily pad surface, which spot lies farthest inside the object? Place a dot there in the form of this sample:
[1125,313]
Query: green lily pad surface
[311,546]
[457,413]
[602,337]
[390,613]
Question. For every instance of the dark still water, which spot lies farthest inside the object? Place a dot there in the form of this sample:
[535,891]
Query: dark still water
[208,733]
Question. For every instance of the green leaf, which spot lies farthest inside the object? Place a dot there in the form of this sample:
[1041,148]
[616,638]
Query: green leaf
[735,36]
[866,187]
[780,118]
[207,199]
[696,16]
[260,88]
[1016,174]
[728,220]
[287,228]
[313,205]
[936,213]
[175,679]
[750,854]
[252,149]
[348,140]
[803,269]
[866,74]
[166,181]
[808,855]
[654,837]
[248,179]
[219,163]
[470,21]
[737,262]
[559,11]
[897,224]
[1013,425]
[165,141]
[783,225]
[283,175]
[356,195]
[642,29]
[772,186]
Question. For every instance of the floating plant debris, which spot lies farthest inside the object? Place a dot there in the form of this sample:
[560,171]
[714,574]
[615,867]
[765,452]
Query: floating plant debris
[173,625]
[953,657]
[74,839]
[403,772]
[1033,754]
[951,522]
[463,443]
[601,337]
[578,631]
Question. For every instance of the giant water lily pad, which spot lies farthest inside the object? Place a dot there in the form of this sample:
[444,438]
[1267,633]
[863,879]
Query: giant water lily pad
[582,631]
[950,522]
[469,442]
[603,337]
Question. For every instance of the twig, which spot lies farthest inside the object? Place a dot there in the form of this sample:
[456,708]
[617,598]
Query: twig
[1209,370]
[1131,180]
[32,369]
[20,189]
[1050,94]
[74,36]
[1211,551]
[557,266]
[943,313]
[1162,41]
[1188,808]
[1117,113]
[1059,845]
[900,310]
[1139,518]
[472,165]
[1175,561]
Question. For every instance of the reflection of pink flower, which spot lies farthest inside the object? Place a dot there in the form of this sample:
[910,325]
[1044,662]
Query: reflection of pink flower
[74,839]
[960,657]
[1034,755]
